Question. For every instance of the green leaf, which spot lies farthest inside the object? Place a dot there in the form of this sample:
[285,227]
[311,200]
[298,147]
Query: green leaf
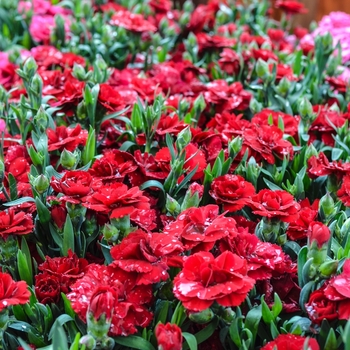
[24,261]
[60,321]
[152,183]
[302,257]
[43,212]
[90,148]
[191,340]
[234,332]
[266,313]
[19,201]
[272,186]
[59,338]
[252,321]
[206,332]
[134,342]
[12,186]
[305,293]
[277,305]
[162,314]
[68,236]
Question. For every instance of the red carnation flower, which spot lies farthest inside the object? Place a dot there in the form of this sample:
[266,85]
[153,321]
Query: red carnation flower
[200,228]
[229,61]
[11,292]
[275,204]
[74,185]
[264,259]
[66,138]
[321,166]
[264,55]
[298,229]
[344,191]
[232,191]
[291,342]
[47,288]
[319,307]
[291,7]
[12,223]
[117,199]
[146,254]
[266,141]
[67,269]
[205,279]
[133,22]
[130,306]
[290,123]
[169,336]
[110,99]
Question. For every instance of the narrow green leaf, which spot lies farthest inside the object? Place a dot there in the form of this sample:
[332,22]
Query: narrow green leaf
[134,342]
[68,236]
[191,340]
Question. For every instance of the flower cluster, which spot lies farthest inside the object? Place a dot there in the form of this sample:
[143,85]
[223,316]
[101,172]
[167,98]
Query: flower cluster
[172,177]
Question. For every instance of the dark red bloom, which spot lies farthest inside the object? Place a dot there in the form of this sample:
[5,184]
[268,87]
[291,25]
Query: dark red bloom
[298,229]
[344,191]
[132,21]
[169,336]
[337,84]
[117,199]
[110,98]
[205,279]
[321,166]
[12,223]
[131,301]
[266,141]
[146,254]
[229,61]
[322,128]
[264,55]
[291,7]
[283,71]
[232,191]
[319,233]
[275,204]
[102,302]
[290,123]
[47,288]
[199,228]
[74,185]
[287,288]
[291,342]
[59,214]
[66,269]
[264,259]
[319,307]
[66,138]
[11,292]
[338,289]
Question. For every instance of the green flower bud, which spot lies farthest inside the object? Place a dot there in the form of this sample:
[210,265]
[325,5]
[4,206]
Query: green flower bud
[228,315]
[37,85]
[68,159]
[188,6]
[310,151]
[29,68]
[329,268]
[199,105]
[326,206]
[79,72]
[255,106]
[284,86]
[110,233]
[305,109]
[41,183]
[202,317]
[234,146]
[172,206]
[41,120]
[262,69]
[89,342]
[183,138]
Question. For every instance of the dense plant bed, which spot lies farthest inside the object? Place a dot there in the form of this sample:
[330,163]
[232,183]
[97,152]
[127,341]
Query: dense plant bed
[172,179]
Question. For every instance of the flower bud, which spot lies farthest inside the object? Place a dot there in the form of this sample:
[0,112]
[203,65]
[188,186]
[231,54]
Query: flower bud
[100,311]
[234,146]
[37,85]
[262,69]
[329,268]
[79,72]
[193,196]
[326,206]
[29,68]
[199,105]
[284,86]
[202,317]
[188,6]
[318,238]
[305,109]
[3,95]
[255,106]
[110,233]
[41,183]
[172,206]
[41,120]
[82,111]
[228,315]
[68,159]
[183,138]
[88,341]
[310,151]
